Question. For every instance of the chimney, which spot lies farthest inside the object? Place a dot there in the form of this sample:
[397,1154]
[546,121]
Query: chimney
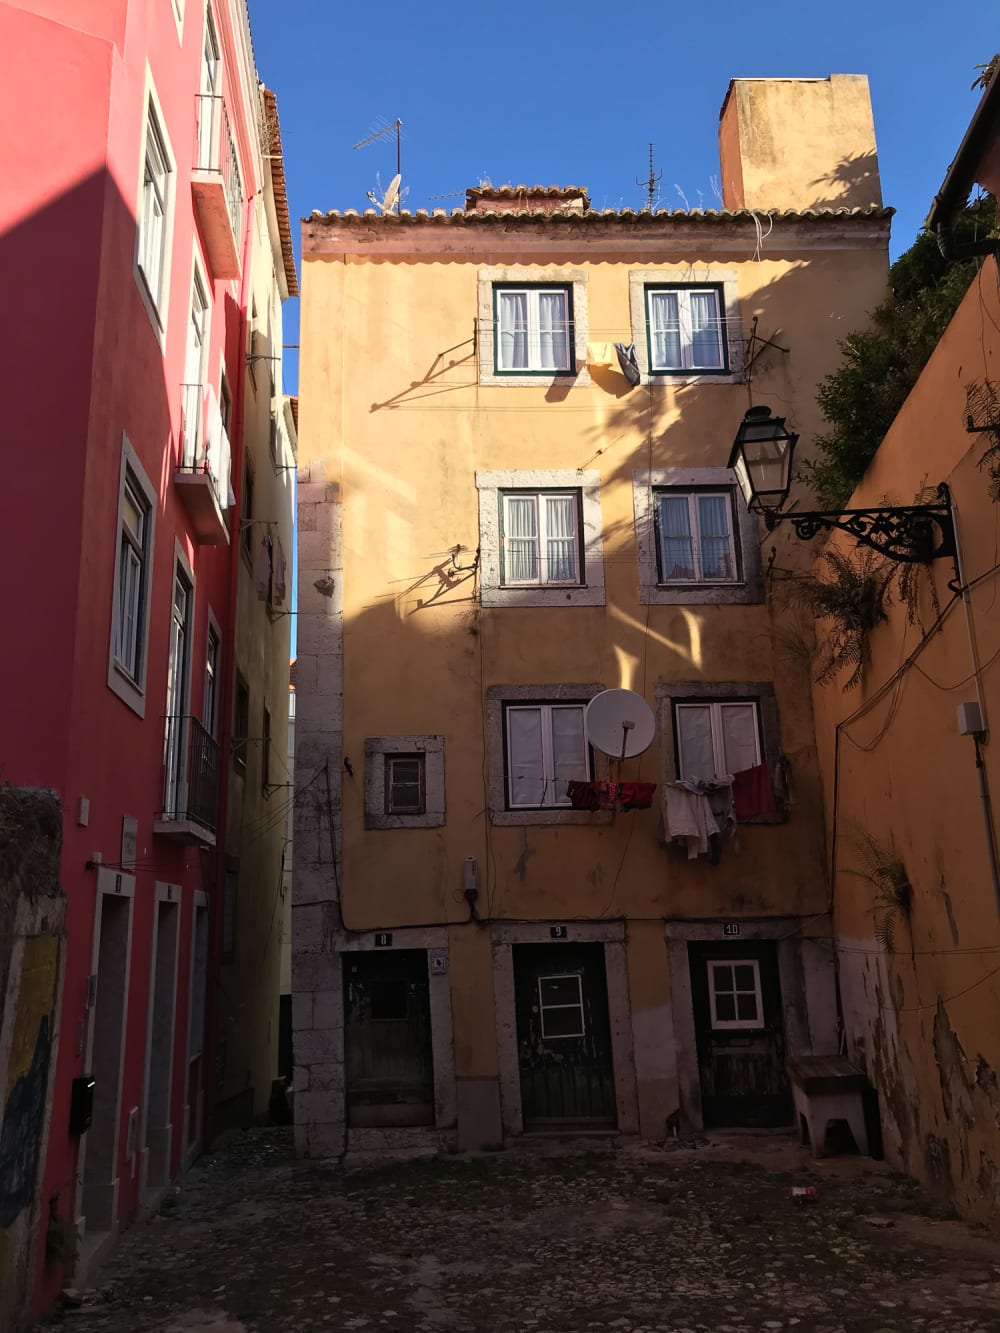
[798,144]
[527,199]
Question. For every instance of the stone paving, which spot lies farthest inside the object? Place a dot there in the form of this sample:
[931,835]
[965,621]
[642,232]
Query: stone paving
[638,1241]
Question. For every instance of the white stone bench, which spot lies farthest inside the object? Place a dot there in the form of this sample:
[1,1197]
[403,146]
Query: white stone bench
[826,1088]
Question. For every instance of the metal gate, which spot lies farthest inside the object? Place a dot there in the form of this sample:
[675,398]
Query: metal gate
[387,1036]
[736,993]
[563,1036]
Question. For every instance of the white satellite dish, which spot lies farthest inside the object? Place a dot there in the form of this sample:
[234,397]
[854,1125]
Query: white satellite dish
[619,723]
[391,195]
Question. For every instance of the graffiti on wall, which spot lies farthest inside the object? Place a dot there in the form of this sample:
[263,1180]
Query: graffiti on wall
[21,1132]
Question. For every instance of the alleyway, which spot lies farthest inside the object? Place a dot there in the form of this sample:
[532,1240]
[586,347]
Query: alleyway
[642,1241]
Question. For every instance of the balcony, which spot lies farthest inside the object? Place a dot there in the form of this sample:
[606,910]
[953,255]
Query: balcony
[203,478]
[191,784]
[216,187]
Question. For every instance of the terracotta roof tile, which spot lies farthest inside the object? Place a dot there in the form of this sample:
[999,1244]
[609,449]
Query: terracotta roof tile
[280,193]
[470,218]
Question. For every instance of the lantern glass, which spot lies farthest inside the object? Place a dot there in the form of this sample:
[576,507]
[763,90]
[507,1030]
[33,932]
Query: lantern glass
[762,459]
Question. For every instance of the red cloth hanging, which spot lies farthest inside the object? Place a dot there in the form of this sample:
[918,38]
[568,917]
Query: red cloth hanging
[753,795]
[636,795]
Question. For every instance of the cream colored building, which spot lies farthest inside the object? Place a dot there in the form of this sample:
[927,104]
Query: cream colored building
[260,788]
[494,527]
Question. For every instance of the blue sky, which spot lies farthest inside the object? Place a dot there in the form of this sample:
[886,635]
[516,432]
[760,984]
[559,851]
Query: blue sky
[543,93]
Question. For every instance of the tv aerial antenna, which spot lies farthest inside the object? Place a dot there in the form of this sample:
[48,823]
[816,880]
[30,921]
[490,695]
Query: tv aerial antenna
[619,723]
[651,183]
[390,200]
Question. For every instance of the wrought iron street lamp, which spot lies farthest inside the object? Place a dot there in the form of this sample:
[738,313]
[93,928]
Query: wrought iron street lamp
[762,460]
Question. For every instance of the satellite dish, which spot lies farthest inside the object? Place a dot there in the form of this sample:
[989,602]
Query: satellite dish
[619,723]
[391,195]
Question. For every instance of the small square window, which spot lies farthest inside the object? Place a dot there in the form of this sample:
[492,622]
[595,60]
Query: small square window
[541,538]
[560,1006]
[404,784]
[546,749]
[695,537]
[734,993]
[685,330]
[715,739]
[533,330]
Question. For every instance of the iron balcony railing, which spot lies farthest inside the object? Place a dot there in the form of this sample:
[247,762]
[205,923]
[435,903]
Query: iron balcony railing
[205,446]
[216,151]
[191,761]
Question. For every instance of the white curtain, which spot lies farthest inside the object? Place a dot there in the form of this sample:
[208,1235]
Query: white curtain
[739,736]
[694,742]
[706,343]
[520,533]
[569,751]
[561,536]
[713,528]
[524,756]
[676,545]
[665,330]
[513,351]
[553,333]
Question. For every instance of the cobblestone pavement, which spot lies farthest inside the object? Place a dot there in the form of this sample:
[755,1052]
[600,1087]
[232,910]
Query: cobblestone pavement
[636,1241]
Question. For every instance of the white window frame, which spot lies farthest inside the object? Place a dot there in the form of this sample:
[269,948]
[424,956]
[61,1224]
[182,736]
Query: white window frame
[213,678]
[495,590]
[391,760]
[541,538]
[694,523]
[551,797]
[748,586]
[742,1024]
[543,1008]
[533,292]
[688,278]
[716,708]
[379,751]
[130,683]
[688,365]
[154,288]
[530,277]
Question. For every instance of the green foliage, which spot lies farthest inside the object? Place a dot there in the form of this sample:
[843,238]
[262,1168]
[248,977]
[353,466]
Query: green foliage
[892,892]
[986,72]
[852,599]
[860,400]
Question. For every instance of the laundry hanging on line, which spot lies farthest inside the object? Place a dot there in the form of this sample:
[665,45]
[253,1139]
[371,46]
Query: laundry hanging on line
[605,795]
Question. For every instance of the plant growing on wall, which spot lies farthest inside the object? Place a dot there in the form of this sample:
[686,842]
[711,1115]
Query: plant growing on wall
[982,405]
[892,892]
[851,599]
[881,364]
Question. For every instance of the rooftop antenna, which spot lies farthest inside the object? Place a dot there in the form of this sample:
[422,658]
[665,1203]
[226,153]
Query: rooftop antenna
[651,182]
[394,128]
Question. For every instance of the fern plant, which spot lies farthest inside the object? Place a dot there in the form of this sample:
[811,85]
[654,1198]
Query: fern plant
[892,892]
[853,600]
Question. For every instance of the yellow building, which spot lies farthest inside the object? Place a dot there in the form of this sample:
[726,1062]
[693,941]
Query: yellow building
[496,526]
[909,768]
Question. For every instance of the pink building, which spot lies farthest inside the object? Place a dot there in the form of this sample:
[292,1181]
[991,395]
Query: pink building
[137,205]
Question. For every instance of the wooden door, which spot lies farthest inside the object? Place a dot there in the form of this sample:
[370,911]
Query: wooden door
[736,993]
[387,1035]
[564,1036]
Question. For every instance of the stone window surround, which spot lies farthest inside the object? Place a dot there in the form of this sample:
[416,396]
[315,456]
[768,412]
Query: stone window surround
[679,691]
[575,279]
[728,280]
[496,697]
[432,750]
[588,483]
[750,588]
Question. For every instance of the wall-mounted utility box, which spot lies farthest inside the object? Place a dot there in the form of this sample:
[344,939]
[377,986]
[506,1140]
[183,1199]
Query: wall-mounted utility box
[970,720]
[81,1104]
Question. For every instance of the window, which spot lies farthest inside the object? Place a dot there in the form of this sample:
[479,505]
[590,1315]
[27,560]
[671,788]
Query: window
[265,756]
[686,329]
[541,537]
[404,784]
[246,514]
[157,177]
[241,723]
[716,738]
[533,329]
[697,542]
[694,537]
[133,579]
[734,993]
[210,706]
[560,1005]
[230,889]
[176,776]
[545,749]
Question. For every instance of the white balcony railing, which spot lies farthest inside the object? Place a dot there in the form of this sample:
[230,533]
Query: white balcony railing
[216,152]
[205,447]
